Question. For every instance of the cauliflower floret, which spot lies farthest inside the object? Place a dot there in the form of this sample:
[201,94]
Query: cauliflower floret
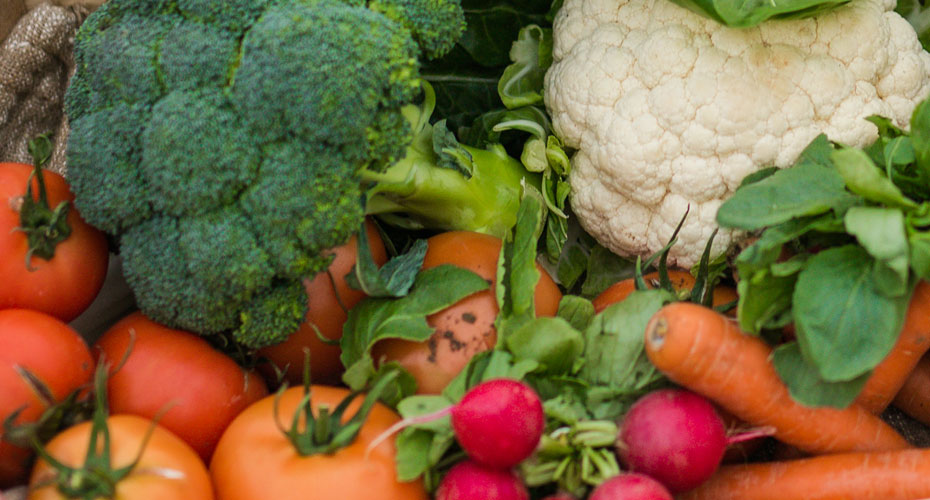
[670,110]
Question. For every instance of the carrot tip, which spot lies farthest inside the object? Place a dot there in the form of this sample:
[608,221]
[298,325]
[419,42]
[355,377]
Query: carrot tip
[656,332]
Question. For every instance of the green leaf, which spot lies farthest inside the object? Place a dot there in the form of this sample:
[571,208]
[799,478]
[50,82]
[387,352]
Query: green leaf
[405,318]
[517,273]
[614,354]
[551,342]
[743,14]
[803,190]
[881,232]
[578,311]
[920,136]
[865,179]
[394,279]
[449,152]
[412,458]
[920,254]
[419,405]
[835,302]
[805,384]
[604,269]
[521,84]
[899,151]
[765,301]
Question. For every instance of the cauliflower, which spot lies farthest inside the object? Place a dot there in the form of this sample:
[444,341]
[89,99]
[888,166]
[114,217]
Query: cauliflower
[670,110]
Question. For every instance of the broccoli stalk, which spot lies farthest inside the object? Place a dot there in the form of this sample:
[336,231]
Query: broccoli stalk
[442,184]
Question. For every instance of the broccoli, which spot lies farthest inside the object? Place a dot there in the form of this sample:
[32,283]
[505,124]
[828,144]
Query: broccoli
[222,142]
[442,184]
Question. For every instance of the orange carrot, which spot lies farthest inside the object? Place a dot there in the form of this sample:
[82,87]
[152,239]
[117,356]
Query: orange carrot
[888,475]
[890,375]
[914,397]
[706,352]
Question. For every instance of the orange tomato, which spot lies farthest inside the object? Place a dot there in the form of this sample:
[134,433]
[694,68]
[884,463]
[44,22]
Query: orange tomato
[196,389]
[682,281]
[328,299]
[255,460]
[467,327]
[53,352]
[167,470]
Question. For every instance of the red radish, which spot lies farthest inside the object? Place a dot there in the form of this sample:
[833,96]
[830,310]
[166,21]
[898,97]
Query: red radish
[674,436]
[498,422]
[630,486]
[469,480]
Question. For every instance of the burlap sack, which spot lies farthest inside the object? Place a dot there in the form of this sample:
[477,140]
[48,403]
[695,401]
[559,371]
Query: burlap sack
[36,63]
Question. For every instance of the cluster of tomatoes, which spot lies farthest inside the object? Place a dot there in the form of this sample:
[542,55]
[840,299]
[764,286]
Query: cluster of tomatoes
[182,419]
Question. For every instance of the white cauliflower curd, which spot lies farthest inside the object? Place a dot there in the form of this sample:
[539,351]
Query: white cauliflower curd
[669,109]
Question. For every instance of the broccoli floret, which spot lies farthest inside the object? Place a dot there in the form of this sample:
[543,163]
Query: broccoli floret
[221,143]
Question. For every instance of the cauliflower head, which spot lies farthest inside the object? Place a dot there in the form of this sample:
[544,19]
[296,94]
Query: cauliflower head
[670,110]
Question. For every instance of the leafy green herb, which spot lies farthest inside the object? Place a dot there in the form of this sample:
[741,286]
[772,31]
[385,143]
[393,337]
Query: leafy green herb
[845,235]
[743,14]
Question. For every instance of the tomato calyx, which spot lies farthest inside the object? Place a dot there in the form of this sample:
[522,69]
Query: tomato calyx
[325,432]
[96,478]
[44,226]
[75,407]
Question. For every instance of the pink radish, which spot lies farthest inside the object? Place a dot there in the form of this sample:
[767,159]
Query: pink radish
[676,437]
[630,486]
[469,480]
[498,422]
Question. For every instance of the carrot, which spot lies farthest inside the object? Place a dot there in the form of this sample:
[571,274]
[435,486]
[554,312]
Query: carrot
[890,375]
[888,475]
[706,352]
[682,282]
[914,397]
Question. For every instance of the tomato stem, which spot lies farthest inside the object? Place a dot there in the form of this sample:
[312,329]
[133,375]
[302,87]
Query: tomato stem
[96,478]
[45,227]
[325,432]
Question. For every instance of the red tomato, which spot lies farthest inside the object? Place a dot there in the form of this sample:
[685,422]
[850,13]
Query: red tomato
[53,352]
[328,299]
[65,285]
[255,460]
[168,468]
[201,388]
[467,327]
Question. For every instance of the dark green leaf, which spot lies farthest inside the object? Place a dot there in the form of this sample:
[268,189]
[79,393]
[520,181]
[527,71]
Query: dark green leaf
[920,136]
[834,300]
[899,151]
[604,269]
[394,279]
[817,152]
[450,154]
[867,180]
[806,386]
[517,271]
[803,190]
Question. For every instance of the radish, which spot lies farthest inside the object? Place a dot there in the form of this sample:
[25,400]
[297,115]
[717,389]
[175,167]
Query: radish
[674,436]
[630,486]
[677,437]
[469,480]
[498,422]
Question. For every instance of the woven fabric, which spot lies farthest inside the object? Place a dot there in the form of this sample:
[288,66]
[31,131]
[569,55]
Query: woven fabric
[36,62]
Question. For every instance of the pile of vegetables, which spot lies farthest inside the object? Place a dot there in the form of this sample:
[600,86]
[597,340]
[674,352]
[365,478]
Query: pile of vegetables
[463,250]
